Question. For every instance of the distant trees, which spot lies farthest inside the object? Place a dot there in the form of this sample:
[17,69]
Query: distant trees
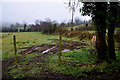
[47,27]
[9,29]
[17,27]
[25,25]
[77,21]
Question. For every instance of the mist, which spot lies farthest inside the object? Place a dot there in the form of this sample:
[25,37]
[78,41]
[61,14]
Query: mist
[28,12]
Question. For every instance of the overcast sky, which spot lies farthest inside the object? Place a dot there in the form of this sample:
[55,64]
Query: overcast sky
[31,10]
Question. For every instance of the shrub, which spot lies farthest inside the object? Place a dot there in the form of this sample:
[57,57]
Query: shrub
[85,35]
[87,28]
[80,35]
[9,29]
[48,27]
[73,34]
[62,31]
[117,36]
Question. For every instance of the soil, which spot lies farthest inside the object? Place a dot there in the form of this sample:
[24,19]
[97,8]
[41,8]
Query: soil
[46,73]
[66,44]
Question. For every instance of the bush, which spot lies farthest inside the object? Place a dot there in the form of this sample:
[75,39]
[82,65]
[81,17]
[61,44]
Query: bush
[62,31]
[73,34]
[87,28]
[48,27]
[9,29]
[80,35]
[85,35]
[117,36]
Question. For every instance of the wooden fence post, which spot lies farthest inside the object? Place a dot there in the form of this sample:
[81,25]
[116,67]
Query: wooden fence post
[91,45]
[59,55]
[15,49]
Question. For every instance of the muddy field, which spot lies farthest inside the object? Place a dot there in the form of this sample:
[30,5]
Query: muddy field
[40,62]
[46,73]
[67,45]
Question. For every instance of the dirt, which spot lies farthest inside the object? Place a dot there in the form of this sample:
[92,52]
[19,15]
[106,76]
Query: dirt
[46,73]
[36,48]
[5,64]
[66,44]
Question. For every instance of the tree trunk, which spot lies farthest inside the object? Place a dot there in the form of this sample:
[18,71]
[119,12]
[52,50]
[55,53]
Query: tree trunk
[101,46]
[111,28]
[100,20]
[111,45]
[72,20]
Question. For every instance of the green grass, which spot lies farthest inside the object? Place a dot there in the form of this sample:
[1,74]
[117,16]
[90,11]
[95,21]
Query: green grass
[117,54]
[78,61]
[74,27]
[73,62]
[18,72]
[25,39]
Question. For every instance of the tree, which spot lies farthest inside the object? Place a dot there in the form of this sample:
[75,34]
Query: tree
[112,23]
[100,21]
[25,25]
[77,21]
[37,22]
[12,28]
[17,25]
[103,15]
[72,5]
[98,13]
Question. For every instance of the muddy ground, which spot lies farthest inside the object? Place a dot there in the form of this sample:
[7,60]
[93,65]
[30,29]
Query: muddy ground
[67,45]
[45,73]
[44,49]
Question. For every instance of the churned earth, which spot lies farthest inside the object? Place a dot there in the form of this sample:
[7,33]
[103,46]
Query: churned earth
[29,66]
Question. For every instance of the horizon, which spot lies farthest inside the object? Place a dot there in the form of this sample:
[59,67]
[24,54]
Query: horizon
[28,12]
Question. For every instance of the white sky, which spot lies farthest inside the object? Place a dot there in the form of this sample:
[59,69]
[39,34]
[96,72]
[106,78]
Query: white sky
[30,10]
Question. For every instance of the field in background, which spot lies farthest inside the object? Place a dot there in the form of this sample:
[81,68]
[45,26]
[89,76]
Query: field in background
[25,39]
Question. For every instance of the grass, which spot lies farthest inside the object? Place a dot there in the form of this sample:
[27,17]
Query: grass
[73,62]
[31,69]
[74,27]
[77,62]
[25,39]
[117,54]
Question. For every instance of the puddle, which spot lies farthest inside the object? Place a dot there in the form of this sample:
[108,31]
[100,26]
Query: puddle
[65,50]
[48,50]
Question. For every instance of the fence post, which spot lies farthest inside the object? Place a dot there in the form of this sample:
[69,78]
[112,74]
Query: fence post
[91,45]
[59,55]
[15,49]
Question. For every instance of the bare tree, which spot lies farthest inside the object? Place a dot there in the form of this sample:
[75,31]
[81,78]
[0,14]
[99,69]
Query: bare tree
[72,6]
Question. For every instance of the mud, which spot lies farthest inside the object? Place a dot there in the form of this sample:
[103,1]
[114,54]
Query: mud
[67,45]
[45,73]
